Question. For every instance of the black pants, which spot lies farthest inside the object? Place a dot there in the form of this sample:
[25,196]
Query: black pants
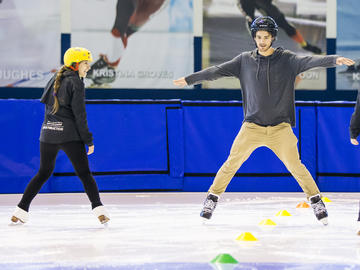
[267,8]
[76,152]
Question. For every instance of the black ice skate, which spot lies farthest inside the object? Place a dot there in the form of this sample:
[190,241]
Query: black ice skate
[209,206]
[312,48]
[319,208]
[102,72]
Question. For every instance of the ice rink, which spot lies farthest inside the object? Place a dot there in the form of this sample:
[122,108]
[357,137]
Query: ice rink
[164,231]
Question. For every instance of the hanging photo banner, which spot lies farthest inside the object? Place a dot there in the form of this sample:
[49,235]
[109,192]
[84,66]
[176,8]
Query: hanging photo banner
[142,44]
[135,43]
[348,44]
[226,34]
[30,42]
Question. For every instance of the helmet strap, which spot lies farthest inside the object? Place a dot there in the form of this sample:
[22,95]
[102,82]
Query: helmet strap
[76,67]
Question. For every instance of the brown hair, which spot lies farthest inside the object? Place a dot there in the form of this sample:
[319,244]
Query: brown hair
[57,82]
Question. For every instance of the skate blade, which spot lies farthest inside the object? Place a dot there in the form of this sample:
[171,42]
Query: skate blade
[106,225]
[205,221]
[324,221]
[16,224]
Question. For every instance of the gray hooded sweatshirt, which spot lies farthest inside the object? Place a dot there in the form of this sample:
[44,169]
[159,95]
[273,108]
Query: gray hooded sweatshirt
[267,83]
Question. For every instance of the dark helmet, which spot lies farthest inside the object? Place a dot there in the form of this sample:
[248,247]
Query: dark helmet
[264,23]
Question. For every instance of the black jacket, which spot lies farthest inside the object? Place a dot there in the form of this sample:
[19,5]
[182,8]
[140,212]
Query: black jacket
[267,83]
[69,123]
[355,120]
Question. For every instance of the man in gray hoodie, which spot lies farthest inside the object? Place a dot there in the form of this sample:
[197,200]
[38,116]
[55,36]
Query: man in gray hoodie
[267,77]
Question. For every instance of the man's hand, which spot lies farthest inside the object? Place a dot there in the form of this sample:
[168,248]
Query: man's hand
[90,150]
[354,141]
[344,61]
[180,82]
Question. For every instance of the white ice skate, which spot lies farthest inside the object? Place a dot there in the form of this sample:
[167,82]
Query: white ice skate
[19,216]
[101,213]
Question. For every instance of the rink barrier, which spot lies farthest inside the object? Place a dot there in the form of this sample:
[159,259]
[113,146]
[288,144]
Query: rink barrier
[174,145]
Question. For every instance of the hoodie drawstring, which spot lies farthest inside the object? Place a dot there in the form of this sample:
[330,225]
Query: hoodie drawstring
[258,60]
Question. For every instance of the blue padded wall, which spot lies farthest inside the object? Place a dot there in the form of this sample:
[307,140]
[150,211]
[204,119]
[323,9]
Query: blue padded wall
[175,136]
[210,129]
[338,160]
[209,133]
[306,132]
[126,137]
[178,145]
[335,152]
[19,152]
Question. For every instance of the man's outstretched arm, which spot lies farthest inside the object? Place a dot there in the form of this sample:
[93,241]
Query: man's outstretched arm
[227,69]
[303,63]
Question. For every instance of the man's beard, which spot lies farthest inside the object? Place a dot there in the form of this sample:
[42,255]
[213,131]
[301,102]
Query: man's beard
[263,49]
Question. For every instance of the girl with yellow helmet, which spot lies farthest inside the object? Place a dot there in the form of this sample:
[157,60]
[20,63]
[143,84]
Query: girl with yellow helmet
[65,128]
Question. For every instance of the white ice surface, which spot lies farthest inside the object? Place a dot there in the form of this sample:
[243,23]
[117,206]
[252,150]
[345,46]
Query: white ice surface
[166,228]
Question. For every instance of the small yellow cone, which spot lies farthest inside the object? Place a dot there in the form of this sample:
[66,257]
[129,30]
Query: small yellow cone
[283,213]
[267,222]
[246,236]
[303,205]
[326,199]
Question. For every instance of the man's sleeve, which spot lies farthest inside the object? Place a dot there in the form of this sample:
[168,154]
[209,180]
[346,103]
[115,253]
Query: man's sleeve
[355,120]
[227,69]
[303,63]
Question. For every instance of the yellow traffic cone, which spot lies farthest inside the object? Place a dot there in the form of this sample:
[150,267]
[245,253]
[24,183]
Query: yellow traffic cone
[283,213]
[267,222]
[246,236]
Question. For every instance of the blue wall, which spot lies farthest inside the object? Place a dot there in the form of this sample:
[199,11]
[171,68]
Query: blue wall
[178,145]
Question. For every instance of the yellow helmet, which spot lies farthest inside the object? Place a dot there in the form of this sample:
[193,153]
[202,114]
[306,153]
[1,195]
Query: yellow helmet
[76,55]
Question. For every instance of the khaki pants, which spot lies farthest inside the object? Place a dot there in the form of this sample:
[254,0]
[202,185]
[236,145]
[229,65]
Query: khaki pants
[280,139]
